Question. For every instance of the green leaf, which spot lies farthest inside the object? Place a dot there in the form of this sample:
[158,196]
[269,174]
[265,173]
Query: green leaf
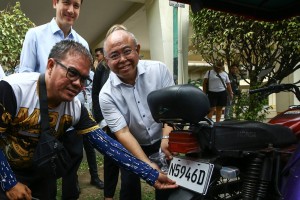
[13,27]
[254,45]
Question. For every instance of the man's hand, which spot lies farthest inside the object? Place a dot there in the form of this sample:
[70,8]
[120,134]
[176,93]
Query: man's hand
[19,192]
[164,145]
[165,149]
[163,182]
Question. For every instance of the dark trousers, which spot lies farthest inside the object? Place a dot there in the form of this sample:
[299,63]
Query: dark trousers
[111,173]
[41,187]
[73,142]
[91,158]
[131,185]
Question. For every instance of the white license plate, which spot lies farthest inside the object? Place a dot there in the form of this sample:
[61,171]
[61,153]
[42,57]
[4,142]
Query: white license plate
[191,174]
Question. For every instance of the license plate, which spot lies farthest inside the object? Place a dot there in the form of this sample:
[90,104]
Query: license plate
[190,174]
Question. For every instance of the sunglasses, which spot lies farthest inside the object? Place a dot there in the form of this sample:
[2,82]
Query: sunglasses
[73,75]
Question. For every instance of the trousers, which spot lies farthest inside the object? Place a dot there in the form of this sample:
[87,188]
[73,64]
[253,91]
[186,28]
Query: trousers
[91,158]
[73,142]
[131,185]
[111,172]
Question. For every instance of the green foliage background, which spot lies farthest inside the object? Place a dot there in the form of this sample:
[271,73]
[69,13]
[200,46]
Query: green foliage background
[266,51]
[13,27]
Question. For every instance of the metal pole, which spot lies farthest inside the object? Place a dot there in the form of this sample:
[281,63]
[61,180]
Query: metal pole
[175,38]
[175,44]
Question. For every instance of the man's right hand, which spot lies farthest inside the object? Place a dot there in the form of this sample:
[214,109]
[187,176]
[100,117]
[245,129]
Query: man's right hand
[163,182]
[19,192]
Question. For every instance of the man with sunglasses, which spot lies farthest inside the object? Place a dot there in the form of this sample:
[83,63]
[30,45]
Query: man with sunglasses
[123,102]
[67,73]
[36,47]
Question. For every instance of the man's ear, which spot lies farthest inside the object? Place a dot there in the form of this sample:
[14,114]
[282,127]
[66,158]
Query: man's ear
[54,2]
[50,65]
[138,48]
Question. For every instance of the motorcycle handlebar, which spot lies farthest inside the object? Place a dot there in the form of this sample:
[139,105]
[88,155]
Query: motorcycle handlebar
[278,88]
[259,90]
[271,88]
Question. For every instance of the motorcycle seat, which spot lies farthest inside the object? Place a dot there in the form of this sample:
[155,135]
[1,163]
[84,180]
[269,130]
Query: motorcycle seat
[246,135]
[183,103]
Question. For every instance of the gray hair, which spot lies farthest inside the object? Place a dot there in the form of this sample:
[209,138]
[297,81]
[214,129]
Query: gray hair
[118,28]
[114,28]
[69,47]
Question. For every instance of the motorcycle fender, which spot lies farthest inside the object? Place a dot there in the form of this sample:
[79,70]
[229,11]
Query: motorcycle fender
[182,193]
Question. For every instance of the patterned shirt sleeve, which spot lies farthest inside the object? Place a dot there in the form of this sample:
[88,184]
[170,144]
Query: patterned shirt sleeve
[7,105]
[109,147]
[7,177]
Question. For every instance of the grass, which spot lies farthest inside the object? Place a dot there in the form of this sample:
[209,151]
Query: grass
[89,192]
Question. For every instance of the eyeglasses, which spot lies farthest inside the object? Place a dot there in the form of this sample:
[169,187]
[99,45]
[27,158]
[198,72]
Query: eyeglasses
[97,55]
[73,75]
[116,56]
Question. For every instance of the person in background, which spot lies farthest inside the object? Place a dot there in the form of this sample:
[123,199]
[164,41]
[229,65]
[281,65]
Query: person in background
[99,57]
[111,170]
[235,83]
[66,75]
[34,55]
[123,102]
[217,86]
[85,97]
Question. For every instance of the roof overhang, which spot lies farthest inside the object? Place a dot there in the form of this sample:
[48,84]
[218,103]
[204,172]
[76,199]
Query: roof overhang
[267,10]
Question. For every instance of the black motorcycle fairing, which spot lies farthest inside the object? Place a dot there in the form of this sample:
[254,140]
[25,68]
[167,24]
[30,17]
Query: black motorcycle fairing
[185,103]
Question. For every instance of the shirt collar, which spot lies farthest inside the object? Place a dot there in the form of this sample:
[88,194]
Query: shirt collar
[56,30]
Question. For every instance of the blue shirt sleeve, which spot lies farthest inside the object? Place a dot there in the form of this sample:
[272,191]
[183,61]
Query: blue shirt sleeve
[109,147]
[28,59]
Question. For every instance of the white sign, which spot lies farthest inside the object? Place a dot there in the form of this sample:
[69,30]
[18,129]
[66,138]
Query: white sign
[191,174]
[176,4]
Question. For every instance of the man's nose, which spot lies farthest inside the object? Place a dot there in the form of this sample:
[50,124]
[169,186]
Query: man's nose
[78,82]
[71,9]
[122,56]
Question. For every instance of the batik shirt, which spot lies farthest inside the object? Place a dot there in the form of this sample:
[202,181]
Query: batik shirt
[20,128]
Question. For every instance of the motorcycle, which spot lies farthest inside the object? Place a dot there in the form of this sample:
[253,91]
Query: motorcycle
[229,159]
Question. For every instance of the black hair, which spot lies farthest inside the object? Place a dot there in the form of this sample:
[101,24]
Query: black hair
[81,1]
[99,49]
[61,49]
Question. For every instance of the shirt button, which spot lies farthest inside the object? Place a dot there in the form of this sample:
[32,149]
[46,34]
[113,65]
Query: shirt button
[148,129]
[143,115]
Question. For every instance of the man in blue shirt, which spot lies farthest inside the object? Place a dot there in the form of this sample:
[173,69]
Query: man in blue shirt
[36,47]
[39,40]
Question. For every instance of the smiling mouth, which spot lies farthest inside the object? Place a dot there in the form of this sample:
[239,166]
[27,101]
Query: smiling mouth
[125,67]
[73,92]
[69,17]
